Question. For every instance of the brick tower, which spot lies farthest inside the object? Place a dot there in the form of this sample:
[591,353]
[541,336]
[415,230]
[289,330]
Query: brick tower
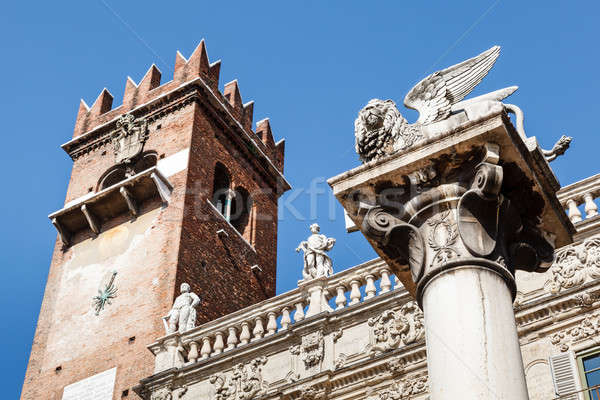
[172,186]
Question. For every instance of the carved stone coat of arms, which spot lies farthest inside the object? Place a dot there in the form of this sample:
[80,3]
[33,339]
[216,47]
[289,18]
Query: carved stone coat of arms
[129,138]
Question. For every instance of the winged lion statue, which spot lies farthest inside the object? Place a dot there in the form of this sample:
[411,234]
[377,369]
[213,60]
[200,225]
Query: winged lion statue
[381,130]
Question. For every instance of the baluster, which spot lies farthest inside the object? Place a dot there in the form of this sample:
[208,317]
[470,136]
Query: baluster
[397,283]
[355,291]
[193,353]
[219,344]
[574,213]
[385,284]
[591,209]
[271,323]
[232,339]
[245,335]
[206,349]
[286,321]
[340,300]
[259,330]
[370,288]
[299,315]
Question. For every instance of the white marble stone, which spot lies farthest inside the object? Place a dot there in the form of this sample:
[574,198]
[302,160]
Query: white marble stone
[96,387]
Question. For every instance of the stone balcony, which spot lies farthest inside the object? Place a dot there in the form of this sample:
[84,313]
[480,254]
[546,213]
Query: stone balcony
[90,212]
[358,334]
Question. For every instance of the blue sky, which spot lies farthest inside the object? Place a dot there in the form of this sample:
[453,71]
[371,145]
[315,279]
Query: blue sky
[309,66]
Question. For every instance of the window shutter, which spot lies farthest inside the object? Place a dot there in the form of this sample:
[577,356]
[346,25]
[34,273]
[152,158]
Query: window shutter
[564,375]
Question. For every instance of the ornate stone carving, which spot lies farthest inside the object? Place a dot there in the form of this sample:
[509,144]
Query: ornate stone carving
[391,329]
[404,389]
[182,316]
[106,293]
[335,335]
[129,138]
[396,365]
[585,300]
[340,361]
[311,350]
[403,242]
[245,382]
[575,265]
[167,393]
[316,261]
[380,129]
[588,327]
[442,236]
[311,393]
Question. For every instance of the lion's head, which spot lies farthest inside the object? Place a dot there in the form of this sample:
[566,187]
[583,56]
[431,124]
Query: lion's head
[374,127]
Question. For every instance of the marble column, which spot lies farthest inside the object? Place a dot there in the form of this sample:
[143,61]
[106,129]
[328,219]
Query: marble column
[454,221]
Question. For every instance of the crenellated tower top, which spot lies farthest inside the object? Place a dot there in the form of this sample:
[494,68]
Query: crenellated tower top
[149,94]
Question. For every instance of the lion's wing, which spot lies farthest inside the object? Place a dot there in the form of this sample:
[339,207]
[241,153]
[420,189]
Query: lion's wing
[434,96]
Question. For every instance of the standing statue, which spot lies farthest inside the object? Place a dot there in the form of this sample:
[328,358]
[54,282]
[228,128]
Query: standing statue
[316,261]
[182,316]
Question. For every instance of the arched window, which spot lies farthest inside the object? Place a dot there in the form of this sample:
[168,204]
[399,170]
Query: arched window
[240,209]
[120,172]
[222,195]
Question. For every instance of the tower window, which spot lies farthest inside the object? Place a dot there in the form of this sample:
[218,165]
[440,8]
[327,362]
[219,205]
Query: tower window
[120,172]
[240,209]
[222,193]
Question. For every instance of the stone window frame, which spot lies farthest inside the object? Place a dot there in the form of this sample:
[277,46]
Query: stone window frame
[579,356]
[143,162]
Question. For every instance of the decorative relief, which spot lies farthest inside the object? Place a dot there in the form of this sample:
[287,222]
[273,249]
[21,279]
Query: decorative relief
[396,365]
[106,293]
[244,383]
[340,361]
[588,327]
[310,393]
[575,265]
[311,350]
[392,329]
[129,138]
[442,235]
[404,389]
[585,300]
[166,393]
[337,334]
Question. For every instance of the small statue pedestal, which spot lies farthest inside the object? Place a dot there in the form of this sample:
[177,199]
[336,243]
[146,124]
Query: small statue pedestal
[453,216]
[317,295]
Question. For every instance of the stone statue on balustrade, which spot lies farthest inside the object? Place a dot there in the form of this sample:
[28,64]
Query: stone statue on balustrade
[316,261]
[182,316]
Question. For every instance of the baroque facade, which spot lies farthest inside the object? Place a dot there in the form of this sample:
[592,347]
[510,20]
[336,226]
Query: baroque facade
[372,344]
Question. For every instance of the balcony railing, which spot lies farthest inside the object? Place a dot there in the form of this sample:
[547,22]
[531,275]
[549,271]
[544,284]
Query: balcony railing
[583,193]
[342,290]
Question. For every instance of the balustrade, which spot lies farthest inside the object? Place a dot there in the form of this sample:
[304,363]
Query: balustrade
[584,192]
[343,290]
